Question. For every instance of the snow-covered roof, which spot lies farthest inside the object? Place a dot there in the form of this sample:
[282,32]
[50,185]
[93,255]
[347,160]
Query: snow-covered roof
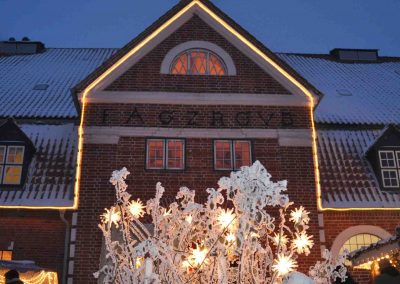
[39,85]
[347,179]
[354,93]
[51,174]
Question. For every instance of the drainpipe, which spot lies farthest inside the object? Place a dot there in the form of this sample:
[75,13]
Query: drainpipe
[66,246]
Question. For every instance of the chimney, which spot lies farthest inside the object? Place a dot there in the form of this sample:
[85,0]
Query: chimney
[24,46]
[355,55]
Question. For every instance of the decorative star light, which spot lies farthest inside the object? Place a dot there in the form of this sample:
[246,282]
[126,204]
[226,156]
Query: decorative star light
[198,255]
[136,208]
[284,264]
[280,239]
[302,243]
[226,218]
[111,216]
[299,216]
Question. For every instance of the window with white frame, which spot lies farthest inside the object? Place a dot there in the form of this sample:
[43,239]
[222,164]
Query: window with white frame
[165,154]
[232,154]
[11,163]
[390,168]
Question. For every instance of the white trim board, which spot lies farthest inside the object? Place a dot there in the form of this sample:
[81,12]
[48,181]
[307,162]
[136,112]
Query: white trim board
[111,134]
[191,9]
[109,97]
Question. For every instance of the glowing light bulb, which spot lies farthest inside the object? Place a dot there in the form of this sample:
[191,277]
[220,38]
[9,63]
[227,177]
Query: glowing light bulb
[167,212]
[299,215]
[282,239]
[111,216]
[189,219]
[302,243]
[230,238]
[199,255]
[136,208]
[284,264]
[139,262]
[226,218]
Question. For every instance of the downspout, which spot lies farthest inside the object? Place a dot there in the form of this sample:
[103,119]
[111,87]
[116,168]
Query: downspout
[66,246]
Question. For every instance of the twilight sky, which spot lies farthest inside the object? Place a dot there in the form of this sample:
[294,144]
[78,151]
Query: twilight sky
[306,26]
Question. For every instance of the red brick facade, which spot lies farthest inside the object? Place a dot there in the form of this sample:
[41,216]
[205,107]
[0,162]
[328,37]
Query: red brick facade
[292,163]
[337,222]
[145,75]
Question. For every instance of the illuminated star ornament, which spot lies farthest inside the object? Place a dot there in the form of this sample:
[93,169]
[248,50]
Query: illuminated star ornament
[284,264]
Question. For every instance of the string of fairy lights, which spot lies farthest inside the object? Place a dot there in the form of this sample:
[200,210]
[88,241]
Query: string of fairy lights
[43,277]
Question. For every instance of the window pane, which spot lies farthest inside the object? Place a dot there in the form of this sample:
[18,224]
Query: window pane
[12,175]
[390,178]
[6,255]
[175,154]
[398,158]
[359,241]
[387,159]
[198,62]
[223,155]
[155,154]
[2,153]
[215,65]
[15,154]
[242,154]
[180,65]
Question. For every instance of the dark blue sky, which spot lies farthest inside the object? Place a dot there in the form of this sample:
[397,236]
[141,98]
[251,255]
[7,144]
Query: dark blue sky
[314,26]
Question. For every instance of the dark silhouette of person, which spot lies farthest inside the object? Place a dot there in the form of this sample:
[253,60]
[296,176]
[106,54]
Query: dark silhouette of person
[12,277]
[389,274]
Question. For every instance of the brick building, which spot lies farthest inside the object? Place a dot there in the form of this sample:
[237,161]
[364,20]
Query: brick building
[190,99]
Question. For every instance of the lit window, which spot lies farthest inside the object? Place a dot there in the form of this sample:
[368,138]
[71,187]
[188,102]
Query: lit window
[198,62]
[11,161]
[358,241]
[5,255]
[231,154]
[390,168]
[165,154]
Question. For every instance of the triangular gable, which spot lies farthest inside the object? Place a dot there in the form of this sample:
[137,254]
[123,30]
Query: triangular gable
[220,22]
[10,132]
[389,136]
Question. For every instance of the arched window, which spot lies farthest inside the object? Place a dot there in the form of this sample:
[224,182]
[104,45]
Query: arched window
[358,241]
[198,62]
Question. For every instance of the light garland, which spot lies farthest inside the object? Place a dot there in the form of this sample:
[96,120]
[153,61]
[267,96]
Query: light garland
[44,277]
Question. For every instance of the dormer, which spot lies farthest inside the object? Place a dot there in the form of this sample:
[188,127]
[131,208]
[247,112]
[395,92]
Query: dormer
[384,156]
[16,152]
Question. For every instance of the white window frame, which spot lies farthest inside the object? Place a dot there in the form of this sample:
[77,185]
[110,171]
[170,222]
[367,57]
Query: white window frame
[233,153]
[383,179]
[165,153]
[4,164]
[395,168]
[394,158]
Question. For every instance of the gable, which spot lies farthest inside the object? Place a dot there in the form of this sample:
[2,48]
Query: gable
[172,20]
[145,75]
[10,132]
